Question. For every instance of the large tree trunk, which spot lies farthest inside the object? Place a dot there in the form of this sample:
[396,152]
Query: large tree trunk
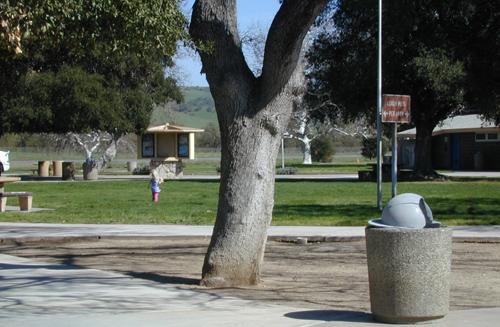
[246,197]
[253,114]
[423,154]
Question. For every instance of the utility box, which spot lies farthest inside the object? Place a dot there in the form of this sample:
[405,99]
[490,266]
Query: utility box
[166,145]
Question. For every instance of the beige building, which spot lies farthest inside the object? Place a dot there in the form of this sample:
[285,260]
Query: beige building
[166,145]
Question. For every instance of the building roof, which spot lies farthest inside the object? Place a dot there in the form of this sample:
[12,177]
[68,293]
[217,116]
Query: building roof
[457,124]
[167,128]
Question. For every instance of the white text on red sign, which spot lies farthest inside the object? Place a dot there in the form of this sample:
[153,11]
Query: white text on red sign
[396,103]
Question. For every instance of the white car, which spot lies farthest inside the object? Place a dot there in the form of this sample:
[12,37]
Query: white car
[4,161]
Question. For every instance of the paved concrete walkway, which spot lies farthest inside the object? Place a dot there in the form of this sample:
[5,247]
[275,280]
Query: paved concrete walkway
[40,294]
[24,231]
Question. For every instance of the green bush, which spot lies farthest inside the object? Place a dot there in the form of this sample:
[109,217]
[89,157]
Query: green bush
[287,171]
[322,149]
[142,170]
[369,150]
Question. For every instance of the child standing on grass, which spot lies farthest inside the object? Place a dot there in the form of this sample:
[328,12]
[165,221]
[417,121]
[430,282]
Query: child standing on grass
[155,185]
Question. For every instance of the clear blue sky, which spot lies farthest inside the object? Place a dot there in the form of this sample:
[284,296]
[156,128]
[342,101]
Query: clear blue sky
[249,11]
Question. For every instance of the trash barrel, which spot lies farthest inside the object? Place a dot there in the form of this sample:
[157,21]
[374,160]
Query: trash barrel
[409,263]
[43,168]
[479,161]
[57,167]
[68,170]
[131,165]
[90,172]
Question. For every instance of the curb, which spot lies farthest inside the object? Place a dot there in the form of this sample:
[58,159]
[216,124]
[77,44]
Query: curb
[284,239]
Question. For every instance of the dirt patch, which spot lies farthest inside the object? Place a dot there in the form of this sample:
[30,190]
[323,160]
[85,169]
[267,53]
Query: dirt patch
[329,276]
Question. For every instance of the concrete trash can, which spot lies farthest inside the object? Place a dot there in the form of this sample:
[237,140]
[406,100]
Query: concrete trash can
[131,165]
[479,161]
[409,263]
[90,172]
[409,273]
[57,166]
[68,171]
[43,168]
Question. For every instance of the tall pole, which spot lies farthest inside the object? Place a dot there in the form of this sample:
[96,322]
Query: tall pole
[282,153]
[379,110]
[395,160]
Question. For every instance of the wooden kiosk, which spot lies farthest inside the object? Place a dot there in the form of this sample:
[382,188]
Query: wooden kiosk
[166,145]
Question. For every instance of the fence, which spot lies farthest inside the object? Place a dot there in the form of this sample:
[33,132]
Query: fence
[53,153]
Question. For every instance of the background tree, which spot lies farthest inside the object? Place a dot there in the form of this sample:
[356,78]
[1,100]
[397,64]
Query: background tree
[253,113]
[211,137]
[81,66]
[322,149]
[427,53]
[369,149]
[303,127]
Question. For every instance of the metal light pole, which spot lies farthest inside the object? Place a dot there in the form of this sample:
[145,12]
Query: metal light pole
[282,153]
[379,111]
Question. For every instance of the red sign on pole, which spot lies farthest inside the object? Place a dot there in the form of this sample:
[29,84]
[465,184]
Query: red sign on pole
[395,108]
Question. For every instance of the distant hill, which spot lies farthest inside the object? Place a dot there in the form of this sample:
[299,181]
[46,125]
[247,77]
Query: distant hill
[198,108]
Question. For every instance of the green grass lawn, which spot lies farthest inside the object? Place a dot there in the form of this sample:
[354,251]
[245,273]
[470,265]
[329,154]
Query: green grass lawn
[204,167]
[297,202]
[341,165]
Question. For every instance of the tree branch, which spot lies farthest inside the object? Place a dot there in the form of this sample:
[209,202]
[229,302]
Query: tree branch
[214,26]
[284,43]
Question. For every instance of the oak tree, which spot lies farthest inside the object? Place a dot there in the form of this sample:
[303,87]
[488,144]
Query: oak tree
[78,65]
[253,113]
[434,51]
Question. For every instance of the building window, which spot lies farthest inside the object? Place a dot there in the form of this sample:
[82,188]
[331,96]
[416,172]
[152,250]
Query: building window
[487,137]
[148,147]
[183,145]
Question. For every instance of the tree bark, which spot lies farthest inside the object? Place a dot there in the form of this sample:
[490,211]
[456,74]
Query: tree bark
[109,154]
[253,114]
[423,154]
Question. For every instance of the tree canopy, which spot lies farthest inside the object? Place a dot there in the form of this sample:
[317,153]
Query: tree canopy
[77,65]
[432,51]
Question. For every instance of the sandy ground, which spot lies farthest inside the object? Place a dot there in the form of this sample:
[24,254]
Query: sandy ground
[329,276]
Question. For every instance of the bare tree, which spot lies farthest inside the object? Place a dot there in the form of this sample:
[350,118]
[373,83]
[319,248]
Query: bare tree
[94,141]
[306,129]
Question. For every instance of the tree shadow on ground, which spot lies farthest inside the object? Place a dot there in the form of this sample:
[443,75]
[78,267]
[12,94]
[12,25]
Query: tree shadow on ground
[164,279]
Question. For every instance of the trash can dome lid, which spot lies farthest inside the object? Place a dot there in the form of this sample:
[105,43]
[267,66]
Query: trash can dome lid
[406,210]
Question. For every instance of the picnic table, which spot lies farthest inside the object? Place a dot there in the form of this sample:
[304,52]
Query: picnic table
[4,180]
[25,198]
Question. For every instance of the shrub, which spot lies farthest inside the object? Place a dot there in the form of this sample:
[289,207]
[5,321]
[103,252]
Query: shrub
[142,170]
[322,149]
[369,150]
[287,171]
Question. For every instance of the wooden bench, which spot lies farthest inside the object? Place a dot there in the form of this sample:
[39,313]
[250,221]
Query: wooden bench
[25,200]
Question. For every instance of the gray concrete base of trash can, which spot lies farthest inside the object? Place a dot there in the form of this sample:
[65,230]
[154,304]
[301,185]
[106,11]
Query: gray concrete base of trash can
[409,273]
